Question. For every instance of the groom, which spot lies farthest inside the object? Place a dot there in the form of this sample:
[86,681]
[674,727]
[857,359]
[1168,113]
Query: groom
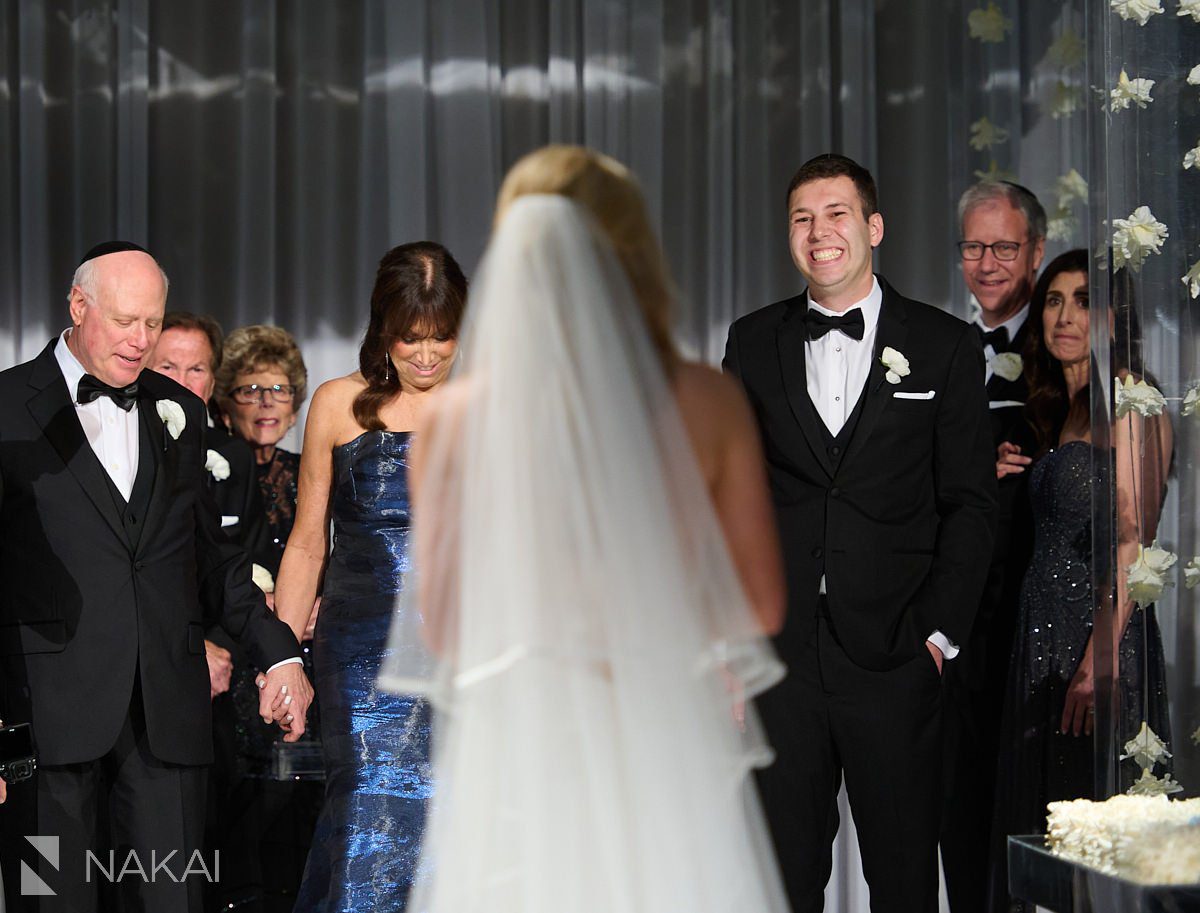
[875,427]
[109,546]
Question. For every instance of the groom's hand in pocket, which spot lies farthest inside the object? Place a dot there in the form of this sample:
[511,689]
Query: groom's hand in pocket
[283,697]
[938,659]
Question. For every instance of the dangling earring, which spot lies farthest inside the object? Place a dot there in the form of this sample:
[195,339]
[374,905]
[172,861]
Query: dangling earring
[387,368]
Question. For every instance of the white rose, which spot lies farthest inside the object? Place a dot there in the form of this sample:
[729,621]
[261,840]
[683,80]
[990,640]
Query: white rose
[217,465]
[1007,365]
[1147,577]
[172,415]
[1137,10]
[263,579]
[1139,397]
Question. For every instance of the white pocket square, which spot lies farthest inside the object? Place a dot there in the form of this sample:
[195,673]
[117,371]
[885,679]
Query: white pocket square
[229,520]
[900,394]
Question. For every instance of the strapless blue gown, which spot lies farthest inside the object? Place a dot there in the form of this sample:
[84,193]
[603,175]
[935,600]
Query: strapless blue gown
[376,744]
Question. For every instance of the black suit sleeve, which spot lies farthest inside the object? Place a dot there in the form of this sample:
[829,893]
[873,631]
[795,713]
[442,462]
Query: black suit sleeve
[228,593]
[965,488]
[730,364]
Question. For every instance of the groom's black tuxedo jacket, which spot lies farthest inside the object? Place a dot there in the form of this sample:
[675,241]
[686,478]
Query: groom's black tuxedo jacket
[900,521]
[94,591]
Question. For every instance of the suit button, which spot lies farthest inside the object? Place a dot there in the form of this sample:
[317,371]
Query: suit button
[131,519]
[835,492]
[818,552]
[138,566]
[835,450]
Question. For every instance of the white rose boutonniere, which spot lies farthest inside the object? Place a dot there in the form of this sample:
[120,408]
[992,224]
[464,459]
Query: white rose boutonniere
[263,579]
[217,465]
[896,364]
[1139,397]
[172,415]
[1008,365]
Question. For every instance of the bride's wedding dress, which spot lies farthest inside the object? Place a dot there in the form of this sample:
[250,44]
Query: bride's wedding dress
[592,650]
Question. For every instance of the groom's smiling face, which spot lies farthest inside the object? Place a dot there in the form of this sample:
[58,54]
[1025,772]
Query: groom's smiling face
[831,239]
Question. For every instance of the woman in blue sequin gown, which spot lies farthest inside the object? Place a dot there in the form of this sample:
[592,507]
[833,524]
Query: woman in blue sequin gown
[1047,753]
[354,471]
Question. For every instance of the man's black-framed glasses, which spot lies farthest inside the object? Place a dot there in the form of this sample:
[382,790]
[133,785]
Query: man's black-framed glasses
[250,394]
[1001,250]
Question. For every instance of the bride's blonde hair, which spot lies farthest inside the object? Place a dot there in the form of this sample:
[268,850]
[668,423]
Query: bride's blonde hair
[607,190]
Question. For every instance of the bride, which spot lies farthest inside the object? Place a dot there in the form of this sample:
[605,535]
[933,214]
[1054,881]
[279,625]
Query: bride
[598,570]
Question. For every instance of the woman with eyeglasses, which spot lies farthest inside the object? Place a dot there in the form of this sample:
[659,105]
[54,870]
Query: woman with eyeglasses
[260,385]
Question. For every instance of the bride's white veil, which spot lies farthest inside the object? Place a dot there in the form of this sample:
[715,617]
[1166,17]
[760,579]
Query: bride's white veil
[581,628]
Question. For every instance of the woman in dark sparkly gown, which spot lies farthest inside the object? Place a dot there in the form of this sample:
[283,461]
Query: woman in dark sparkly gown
[1047,751]
[376,744]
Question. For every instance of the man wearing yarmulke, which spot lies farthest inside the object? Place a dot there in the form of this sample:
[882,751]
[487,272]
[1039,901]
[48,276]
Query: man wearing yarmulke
[109,546]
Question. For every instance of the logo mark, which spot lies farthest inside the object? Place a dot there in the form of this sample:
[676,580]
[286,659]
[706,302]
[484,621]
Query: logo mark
[31,884]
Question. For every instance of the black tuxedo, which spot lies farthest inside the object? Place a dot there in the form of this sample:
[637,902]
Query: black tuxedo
[975,682]
[102,618]
[896,512]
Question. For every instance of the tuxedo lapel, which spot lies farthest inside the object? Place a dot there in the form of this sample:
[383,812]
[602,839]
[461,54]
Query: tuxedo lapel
[790,339]
[52,409]
[164,451]
[893,332]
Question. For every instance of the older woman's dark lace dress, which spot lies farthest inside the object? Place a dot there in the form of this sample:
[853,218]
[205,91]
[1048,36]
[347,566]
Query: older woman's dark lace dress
[1038,764]
[376,744]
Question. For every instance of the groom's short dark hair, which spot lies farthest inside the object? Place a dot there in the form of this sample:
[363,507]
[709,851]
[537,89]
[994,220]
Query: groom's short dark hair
[832,165]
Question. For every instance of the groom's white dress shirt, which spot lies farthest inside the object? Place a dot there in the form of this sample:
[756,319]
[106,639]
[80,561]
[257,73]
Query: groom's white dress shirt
[837,367]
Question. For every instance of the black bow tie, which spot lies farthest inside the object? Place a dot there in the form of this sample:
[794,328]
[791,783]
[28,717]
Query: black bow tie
[997,338]
[91,389]
[851,323]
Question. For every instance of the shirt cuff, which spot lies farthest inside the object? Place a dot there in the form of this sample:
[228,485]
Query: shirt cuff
[942,642]
[297,659]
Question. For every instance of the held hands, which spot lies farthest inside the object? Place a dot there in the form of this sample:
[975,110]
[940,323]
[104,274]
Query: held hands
[220,667]
[1009,460]
[1079,711]
[283,697]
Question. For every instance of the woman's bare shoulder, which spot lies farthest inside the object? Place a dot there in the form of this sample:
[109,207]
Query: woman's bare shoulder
[698,386]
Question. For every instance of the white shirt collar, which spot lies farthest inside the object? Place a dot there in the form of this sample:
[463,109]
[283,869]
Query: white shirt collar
[1013,324]
[72,369]
[870,306]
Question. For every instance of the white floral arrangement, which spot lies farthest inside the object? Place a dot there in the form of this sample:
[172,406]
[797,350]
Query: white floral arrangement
[896,364]
[1137,10]
[1136,238]
[1137,396]
[1066,51]
[172,415]
[1103,835]
[1128,91]
[1189,8]
[1008,365]
[985,134]
[1149,785]
[1192,279]
[1146,748]
[1191,400]
[1069,188]
[988,24]
[262,578]
[1146,578]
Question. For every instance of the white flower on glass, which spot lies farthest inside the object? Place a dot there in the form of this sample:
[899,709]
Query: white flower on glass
[1191,399]
[1146,748]
[985,134]
[1137,396]
[1007,365]
[263,579]
[995,173]
[1192,280]
[1070,187]
[1141,10]
[172,415]
[896,364]
[1192,158]
[1194,76]
[1189,8]
[1065,100]
[1191,573]
[1066,51]
[1061,228]
[1150,785]
[1136,91]
[1146,578]
[1136,238]
[988,24]
[217,465]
